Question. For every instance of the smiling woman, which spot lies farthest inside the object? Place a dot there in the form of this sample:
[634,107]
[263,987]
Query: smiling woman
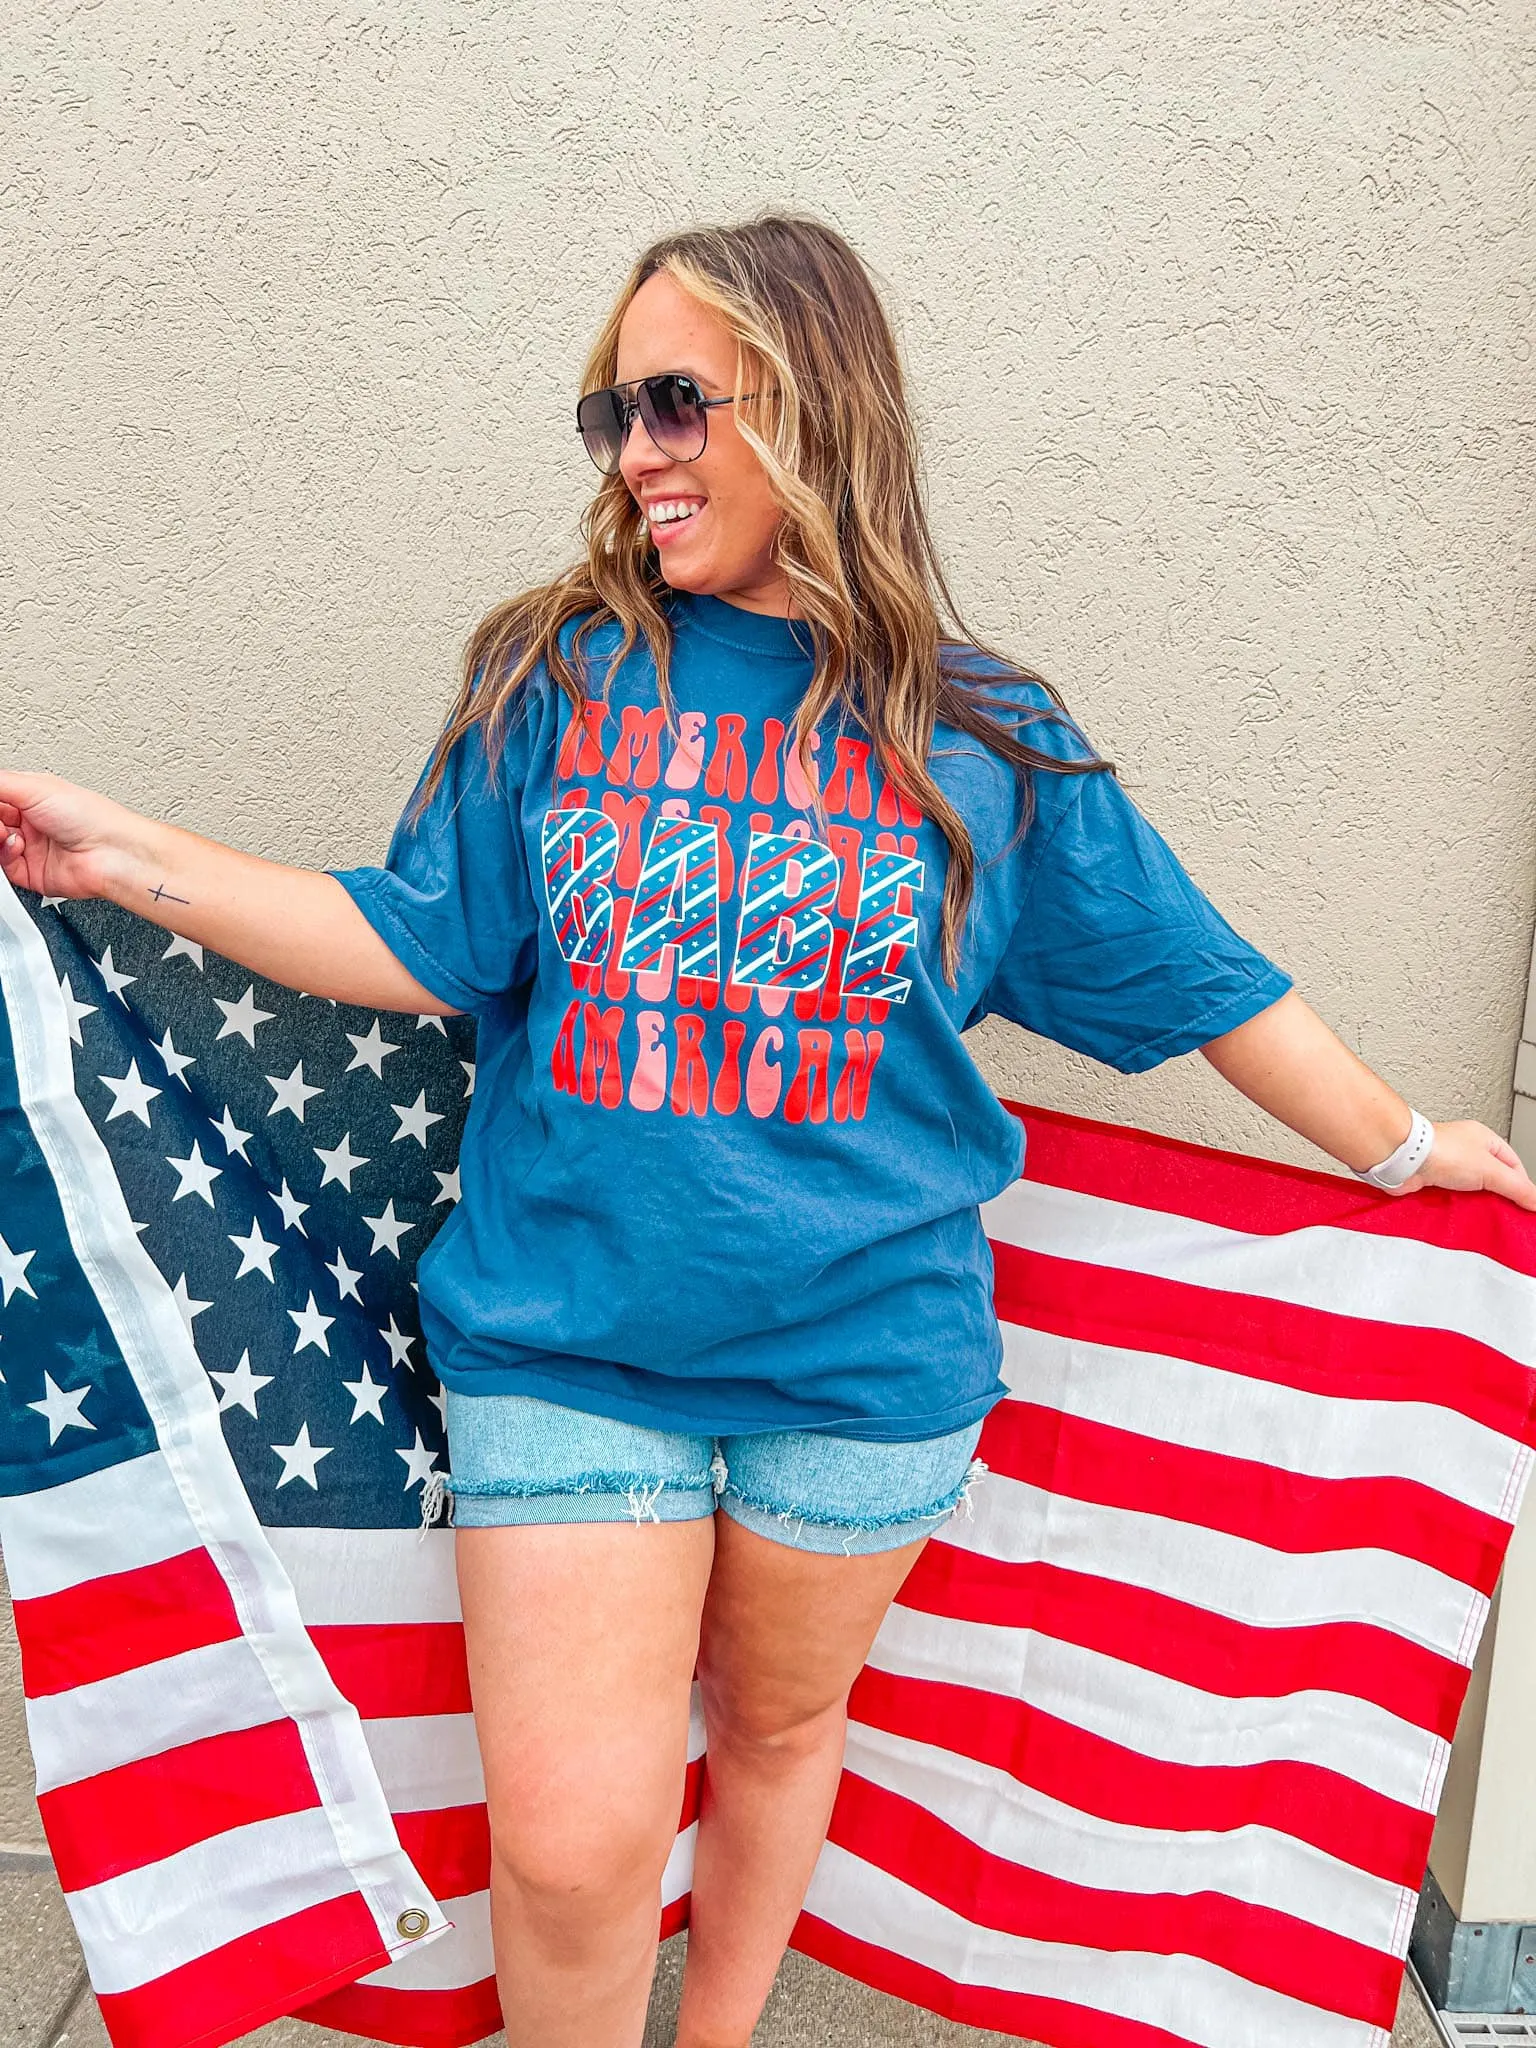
[730,834]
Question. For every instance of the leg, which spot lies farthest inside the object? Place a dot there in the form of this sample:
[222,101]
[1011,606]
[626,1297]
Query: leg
[584,1550]
[785,1634]
[581,1643]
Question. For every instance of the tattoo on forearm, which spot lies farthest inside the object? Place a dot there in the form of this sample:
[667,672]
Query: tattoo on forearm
[162,894]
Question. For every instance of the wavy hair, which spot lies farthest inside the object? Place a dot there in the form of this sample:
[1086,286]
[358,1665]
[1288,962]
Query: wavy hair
[833,431]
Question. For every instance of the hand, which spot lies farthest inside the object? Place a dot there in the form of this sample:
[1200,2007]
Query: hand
[1466,1155]
[58,838]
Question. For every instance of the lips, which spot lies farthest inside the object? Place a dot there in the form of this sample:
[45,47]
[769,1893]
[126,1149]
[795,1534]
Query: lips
[669,517]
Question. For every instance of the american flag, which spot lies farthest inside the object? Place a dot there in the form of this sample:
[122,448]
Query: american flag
[1146,1755]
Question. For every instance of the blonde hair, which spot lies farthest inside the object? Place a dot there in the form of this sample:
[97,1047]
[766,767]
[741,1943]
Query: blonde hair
[832,429]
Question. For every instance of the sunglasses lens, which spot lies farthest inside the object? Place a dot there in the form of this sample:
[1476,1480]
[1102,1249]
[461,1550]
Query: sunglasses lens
[601,420]
[674,417]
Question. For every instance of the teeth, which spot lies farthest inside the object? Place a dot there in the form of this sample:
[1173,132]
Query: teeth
[672,509]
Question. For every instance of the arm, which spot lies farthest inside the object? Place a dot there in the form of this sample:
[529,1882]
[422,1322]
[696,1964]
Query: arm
[293,925]
[1288,1061]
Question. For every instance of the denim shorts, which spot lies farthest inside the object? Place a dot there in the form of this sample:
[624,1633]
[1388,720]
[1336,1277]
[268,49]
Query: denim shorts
[517,1459]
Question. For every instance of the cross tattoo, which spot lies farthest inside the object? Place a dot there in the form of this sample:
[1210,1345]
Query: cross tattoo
[160,891]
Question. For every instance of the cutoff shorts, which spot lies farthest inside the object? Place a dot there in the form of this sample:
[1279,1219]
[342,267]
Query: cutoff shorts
[516,1460]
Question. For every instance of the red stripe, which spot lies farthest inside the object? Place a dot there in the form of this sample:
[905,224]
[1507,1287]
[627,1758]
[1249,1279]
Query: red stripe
[1232,1659]
[1312,1349]
[974,2005]
[1288,1955]
[674,1918]
[1260,1195]
[115,1624]
[450,1847]
[413,2019]
[122,1819]
[253,1979]
[1093,1775]
[693,1793]
[389,1670]
[1087,1460]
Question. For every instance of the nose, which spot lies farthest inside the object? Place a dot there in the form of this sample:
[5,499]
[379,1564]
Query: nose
[641,458]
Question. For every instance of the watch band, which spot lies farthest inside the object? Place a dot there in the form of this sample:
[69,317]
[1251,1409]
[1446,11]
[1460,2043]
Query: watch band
[1405,1162]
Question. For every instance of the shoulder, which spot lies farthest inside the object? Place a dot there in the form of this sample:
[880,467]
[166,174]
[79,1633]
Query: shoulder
[1004,695]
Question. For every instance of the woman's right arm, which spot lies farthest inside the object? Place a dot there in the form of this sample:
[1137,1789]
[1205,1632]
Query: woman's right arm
[294,925]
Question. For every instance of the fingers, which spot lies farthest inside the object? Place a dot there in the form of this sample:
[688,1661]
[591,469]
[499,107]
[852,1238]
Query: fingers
[1513,1181]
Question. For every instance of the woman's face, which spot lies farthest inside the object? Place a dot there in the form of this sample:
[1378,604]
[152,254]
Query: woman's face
[723,546]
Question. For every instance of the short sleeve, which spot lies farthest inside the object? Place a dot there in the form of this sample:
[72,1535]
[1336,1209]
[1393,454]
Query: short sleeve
[1116,952]
[453,900]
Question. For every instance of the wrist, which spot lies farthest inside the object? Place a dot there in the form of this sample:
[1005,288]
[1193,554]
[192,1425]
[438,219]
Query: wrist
[137,858]
[1407,1158]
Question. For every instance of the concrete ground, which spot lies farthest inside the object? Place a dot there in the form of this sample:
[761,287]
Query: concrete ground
[45,2001]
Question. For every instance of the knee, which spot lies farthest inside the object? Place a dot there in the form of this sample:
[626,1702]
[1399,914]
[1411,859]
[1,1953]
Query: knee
[769,1733]
[580,1871]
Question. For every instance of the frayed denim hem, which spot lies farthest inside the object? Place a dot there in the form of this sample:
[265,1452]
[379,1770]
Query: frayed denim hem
[851,1535]
[583,1497]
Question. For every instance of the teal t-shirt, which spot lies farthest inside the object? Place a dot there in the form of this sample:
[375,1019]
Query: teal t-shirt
[726,1146]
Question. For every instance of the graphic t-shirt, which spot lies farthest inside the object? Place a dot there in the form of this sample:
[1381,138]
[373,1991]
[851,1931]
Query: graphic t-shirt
[726,1145]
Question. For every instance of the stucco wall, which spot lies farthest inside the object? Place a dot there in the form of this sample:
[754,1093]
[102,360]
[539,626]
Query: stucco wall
[1218,317]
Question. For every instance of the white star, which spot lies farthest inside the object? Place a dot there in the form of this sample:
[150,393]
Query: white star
[53,902]
[371,1051]
[387,1229]
[291,1207]
[399,1344]
[255,1252]
[420,1463]
[367,1394]
[188,1306]
[312,1326]
[291,1092]
[340,1163]
[242,1017]
[130,1095]
[415,1119]
[300,1458]
[61,1409]
[13,1271]
[345,1276]
[469,1076]
[234,1138]
[449,1189]
[74,1009]
[196,1175]
[189,949]
[240,1387]
[116,982]
[436,1024]
[176,1063]
[439,1401]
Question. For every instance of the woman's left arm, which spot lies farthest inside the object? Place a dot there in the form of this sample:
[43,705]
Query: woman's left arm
[1288,1061]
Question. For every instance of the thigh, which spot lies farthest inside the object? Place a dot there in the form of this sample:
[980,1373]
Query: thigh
[581,1619]
[813,1541]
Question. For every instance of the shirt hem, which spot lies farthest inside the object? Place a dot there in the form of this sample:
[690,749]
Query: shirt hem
[1226,1016]
[521,1379]
[361,886]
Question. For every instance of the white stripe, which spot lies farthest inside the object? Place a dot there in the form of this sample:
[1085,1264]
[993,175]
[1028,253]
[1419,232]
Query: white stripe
[143,1712]
[154,1340]
[1189,1998]
[354,1577]
[454,1961]
[1161,1717]
[1324,1436]
[425,1761]
[147,1922]
[1343,1272]
[1257,1865]
[464,1956]
[118,1520]
[1230,1575]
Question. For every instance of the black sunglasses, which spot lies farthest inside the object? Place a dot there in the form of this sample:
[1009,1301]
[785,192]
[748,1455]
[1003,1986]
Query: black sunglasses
[673,407]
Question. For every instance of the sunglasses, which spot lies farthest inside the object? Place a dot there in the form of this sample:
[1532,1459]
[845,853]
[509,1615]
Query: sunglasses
[673,407]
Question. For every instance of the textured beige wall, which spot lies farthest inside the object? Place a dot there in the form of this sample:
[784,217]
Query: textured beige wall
[1218,317]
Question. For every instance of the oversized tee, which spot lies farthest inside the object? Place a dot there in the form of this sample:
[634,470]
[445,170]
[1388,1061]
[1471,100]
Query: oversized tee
[726,1146]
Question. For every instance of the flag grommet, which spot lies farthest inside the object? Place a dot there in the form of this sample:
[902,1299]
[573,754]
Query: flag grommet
[412,1923]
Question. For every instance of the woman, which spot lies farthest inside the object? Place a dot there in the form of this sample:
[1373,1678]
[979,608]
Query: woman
[724,844]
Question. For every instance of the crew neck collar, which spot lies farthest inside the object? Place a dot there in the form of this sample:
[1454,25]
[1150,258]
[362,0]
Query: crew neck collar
[749,632]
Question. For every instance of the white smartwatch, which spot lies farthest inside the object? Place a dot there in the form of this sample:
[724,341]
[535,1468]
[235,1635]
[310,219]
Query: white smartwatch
[1405,1162]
